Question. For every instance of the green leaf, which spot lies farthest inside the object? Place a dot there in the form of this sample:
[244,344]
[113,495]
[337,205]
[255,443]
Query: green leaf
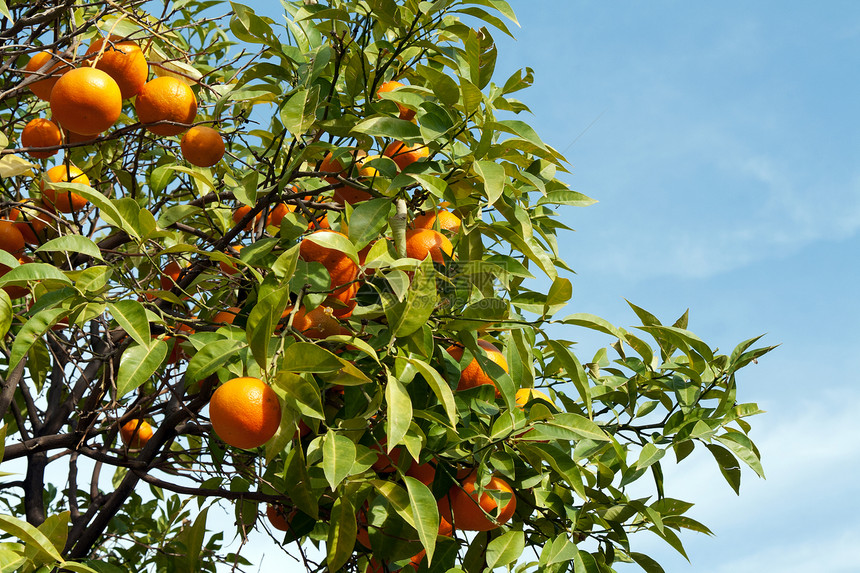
[594,323]
[308,357]
[649,455]
[566,197]
[583,562]
[338,457]
[397,497]
[341,533]
[505,549]
[6,312]
[131,317]
[406,317]
[299,113]
[578,425]
[211,357]
[575,370]
[646,563]
[336,241]
[301,394]
[72,244]
[367,221]
[729,466]
[262,321]
[391,127]
[33,272]
[192,539]
[494,178]
[33,330]
[107,209]
[298,483]
[426,513]
[399,411]
[138,364]
[30,536]
[559,293]
[743,448]
[439,386]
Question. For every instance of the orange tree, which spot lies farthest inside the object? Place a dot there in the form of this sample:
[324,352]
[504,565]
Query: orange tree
[341,214]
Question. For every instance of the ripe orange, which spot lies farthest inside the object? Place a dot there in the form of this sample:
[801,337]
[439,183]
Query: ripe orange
[11,240]
[386,462]
[74,138]
[341,268]
[405,155]
[278,517]
[277,214]
[335,166]
[447,221]
[464,509]
[12,290]
[64,201]
[405,112]
[86,101]
[30,223]
[316,324]
[524,395]
[123,61]
[230,269]
[166,99]
[473,375]
[425,473]
[41,132]
[42,88]
[421,242]
[202,146]
[170,274]
[245,412]
[226,316]
[240,213]
[135,433]
[351,195]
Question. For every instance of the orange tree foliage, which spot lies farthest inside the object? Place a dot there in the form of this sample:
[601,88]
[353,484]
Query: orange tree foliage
[374,435]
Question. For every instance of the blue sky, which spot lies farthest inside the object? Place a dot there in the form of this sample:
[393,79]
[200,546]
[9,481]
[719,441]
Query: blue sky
[721,140]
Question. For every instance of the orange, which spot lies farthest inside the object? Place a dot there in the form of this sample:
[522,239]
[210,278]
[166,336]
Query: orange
[463,508]
[421,242]
[170,274]
[176,351]
[425,473]
[226,316]
[73,138]
[405,155]
[405,112]
[230,269]
[278,517]
[86,101]
[42,88]
[29,222]
[245,412]
[277,214]
[123,61]
[335,166]
[343,303]
[165,99]
[447,221]
[524,395]
[202,146]
[135,433]
[473,375]
[351,195]
[341,268]
[11,240]
[64,201]
[240,213]
[41,132]
[386,462]
[317,324]
[12,290]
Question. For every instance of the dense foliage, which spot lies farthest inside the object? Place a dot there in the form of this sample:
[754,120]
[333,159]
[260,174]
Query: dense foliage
[102,334]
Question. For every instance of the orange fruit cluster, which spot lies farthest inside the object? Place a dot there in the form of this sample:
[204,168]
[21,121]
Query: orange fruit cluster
[86,101]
